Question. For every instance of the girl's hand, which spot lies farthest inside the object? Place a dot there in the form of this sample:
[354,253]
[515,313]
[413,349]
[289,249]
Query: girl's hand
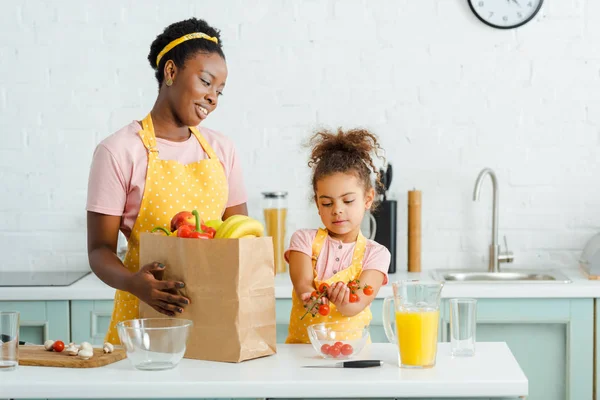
[308,300]
[339,294]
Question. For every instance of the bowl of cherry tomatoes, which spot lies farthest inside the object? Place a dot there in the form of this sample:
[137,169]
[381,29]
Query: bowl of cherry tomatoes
[335,340]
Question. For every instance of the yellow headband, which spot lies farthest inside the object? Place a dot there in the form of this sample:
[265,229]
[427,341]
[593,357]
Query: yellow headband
[196,35]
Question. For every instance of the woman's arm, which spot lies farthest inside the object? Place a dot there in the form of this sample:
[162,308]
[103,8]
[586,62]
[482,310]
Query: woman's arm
[102,237]
[241,209]
[339,294]
[103,231]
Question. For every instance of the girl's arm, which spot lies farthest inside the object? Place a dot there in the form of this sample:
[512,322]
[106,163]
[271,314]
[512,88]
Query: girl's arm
[301,272]
[339,294]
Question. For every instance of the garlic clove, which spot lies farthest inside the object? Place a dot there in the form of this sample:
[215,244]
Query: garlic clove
[48,344]
[86,353]
[108,347]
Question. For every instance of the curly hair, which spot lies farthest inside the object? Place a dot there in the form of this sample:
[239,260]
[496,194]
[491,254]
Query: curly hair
[345,152]
[186,50]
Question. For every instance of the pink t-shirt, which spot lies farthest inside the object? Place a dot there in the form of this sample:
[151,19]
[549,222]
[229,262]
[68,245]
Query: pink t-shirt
[336,255]
[118,171]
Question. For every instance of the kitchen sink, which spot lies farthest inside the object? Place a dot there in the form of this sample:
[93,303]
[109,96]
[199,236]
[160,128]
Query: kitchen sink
[511,276]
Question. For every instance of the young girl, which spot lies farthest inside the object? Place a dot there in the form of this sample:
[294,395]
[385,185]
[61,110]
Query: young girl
[338,254]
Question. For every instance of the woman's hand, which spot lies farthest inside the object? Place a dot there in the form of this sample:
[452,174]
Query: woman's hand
[160,295]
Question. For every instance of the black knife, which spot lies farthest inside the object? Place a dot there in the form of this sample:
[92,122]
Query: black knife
[350,364]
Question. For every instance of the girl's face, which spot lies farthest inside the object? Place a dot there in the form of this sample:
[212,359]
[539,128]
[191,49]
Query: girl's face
[342,202]
[196,87]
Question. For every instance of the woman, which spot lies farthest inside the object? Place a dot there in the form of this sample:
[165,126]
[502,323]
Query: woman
[151,169]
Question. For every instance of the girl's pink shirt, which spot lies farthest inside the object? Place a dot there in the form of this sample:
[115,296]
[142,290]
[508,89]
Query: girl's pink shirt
[118,171]
[336,255]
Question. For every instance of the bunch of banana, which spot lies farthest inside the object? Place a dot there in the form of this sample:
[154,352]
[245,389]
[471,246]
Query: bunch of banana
[239,226]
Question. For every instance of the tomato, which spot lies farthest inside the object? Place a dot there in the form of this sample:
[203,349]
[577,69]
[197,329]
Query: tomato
[354,298]
[323,287]
[323,309]
[347,349]
[325,349]
[353,285]
[334,351]
[368,290]
[58,346]
[338,344]
[314,294]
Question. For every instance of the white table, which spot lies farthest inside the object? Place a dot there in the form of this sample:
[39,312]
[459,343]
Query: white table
[492,373]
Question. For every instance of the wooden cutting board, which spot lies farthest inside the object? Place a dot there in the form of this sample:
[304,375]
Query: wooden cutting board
[37,356]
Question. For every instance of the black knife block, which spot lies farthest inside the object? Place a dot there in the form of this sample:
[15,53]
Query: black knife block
[386,217]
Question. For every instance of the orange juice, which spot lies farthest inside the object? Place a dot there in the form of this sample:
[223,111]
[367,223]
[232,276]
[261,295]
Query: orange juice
[417,336]
[275,227]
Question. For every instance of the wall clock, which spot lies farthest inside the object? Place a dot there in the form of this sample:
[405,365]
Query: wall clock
[505,14]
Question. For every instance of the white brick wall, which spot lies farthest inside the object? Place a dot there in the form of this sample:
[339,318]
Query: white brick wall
[447,95]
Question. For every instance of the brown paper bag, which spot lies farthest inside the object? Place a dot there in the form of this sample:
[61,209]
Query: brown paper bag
[231,287]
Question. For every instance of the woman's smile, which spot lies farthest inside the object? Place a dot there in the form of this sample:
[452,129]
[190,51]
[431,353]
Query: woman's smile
[201,112]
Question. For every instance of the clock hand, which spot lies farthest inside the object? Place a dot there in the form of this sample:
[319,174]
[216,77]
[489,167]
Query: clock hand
[516,2]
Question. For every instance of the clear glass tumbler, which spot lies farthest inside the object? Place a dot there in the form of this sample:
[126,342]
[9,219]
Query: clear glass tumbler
[9,340]
[463,322]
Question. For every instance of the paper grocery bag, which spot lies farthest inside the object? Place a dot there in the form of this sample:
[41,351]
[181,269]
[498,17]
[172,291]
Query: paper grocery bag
[231,287]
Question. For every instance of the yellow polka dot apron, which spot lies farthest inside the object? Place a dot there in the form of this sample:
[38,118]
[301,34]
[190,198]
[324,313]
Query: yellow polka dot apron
[297,332]
[170,187]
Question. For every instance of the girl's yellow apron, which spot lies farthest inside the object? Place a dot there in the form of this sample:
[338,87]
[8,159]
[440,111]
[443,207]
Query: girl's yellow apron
[297,332]
[170,187]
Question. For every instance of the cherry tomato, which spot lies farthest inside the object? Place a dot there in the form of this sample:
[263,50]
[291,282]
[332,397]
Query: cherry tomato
[314,294]
[323,309]
[338,344]
[323,287]
[58,346]
[354,298]
[353,285]
[334,351]
[347,349]
[368,290]
[325,349]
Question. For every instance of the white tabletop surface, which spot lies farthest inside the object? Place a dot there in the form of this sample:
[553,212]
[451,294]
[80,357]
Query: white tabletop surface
[492,372]
[92,288]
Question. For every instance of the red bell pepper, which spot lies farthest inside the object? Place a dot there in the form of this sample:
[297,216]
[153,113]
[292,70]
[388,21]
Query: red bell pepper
[186,231]
[200,231]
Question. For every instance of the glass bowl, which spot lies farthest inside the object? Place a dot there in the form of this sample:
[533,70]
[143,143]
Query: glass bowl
[327,336]
[154,343]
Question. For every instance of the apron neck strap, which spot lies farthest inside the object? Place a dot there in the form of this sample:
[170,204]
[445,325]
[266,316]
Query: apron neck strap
[149,138]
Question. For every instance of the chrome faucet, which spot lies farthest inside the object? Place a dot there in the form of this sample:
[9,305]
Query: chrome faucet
[496,256]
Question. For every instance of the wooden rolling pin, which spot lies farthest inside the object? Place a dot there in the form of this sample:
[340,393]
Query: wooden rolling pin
[414,231]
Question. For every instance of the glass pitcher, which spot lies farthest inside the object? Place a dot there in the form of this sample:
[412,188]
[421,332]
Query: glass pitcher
[275,213]
[417,315]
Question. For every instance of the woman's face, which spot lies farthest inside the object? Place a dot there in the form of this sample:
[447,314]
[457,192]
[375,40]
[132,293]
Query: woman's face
[196,87]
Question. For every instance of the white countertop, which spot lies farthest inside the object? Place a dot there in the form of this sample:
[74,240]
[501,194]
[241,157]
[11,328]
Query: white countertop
[92,288]
[492,372]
